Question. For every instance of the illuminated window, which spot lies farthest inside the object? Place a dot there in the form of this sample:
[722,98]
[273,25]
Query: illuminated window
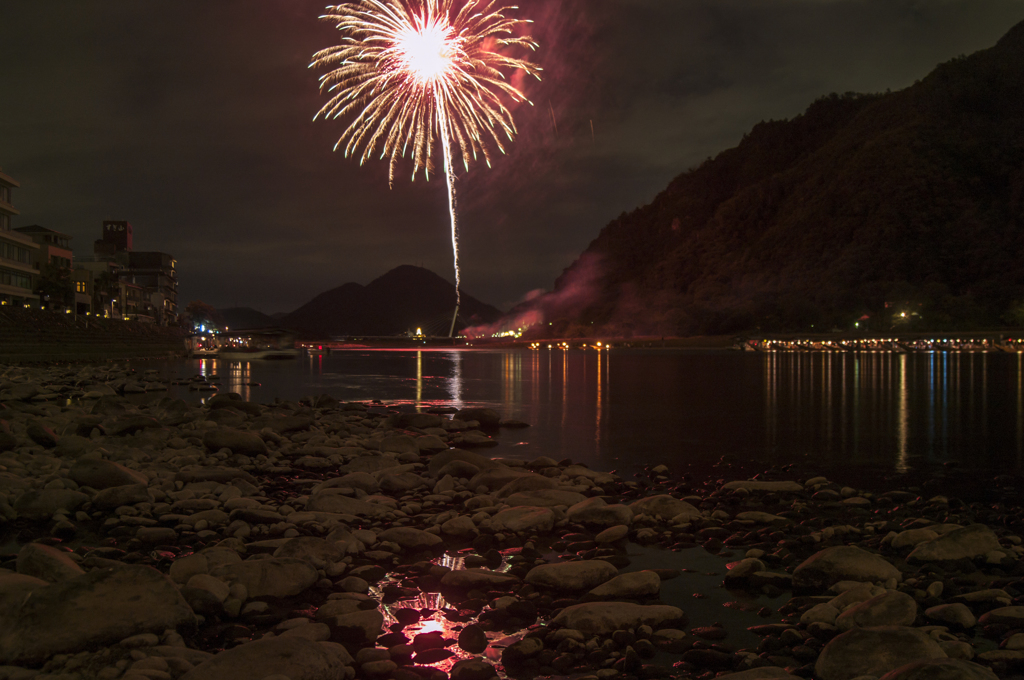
[80,286]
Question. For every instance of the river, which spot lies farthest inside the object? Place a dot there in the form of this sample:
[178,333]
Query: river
[863,413]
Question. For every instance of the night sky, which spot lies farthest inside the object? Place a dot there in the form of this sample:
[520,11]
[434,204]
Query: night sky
[193,121]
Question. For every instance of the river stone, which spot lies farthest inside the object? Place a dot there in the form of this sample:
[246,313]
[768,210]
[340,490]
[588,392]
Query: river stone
[411,539]
[401,482]
[571,576]
[967,542]
[612,534]
[912,537]
[631,586]
[754,485]
[93,610]
[274,577]
[478,579]
[42,504]
[14,588]
[1011,616]
[595,512]
[874,651]
[311,548]
[842,563]
[431,443]
[604,618]
[47,563]
[525,519]
[41,434]
[399,443]
[346,505]
[472,669]
[495,478]
[891,608]
[544,498]
[941,669]
[353,480]
[766,673]
[239,442]
[527,482]
[485,416]
[761,517]
[664,506]
[460,527]
[458,455]
[103,474]
[210,584]
[356,628]
[290,656]
[116,496]
[956,615]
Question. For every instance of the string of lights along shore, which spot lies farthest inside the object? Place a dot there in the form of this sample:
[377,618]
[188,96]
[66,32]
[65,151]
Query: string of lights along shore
[413,75]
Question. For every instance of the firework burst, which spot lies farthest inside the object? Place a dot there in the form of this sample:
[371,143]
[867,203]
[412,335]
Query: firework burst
[411,73]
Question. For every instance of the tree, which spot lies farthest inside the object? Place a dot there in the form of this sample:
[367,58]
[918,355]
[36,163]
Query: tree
[200,313]
[55,287]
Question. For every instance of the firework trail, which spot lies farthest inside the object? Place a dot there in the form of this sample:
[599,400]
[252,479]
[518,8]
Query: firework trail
[411,72]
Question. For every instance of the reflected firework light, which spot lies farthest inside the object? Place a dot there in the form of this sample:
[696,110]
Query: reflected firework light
[415,72]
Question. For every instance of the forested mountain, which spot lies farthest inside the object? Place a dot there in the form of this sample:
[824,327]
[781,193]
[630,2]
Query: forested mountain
[905,202]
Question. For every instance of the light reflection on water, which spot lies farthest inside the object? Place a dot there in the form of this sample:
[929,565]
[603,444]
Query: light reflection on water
[620,409]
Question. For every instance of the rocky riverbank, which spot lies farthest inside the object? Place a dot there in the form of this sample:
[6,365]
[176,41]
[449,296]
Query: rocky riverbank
[142,537]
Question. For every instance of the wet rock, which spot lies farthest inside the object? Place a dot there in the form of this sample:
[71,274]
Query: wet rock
[274,577]
[459,527]
[473,639]
[874,651]
[612,534]
[96,609]
[472,669]
[755,485]
[478,579]
[485,416]
[1010,616]
[293,657]
[842,563]
[767,673]
[968,542]
[891,608]
[572,576]
[604,618]
[41,434]
[357,628]
[940,669]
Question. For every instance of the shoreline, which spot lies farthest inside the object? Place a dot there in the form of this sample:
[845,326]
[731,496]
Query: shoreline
[326,531]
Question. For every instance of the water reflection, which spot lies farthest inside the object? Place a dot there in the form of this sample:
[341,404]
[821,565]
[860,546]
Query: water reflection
[897,410]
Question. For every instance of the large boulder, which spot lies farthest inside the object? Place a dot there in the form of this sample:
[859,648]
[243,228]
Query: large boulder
[572,577]
[93,610]
[274,577]
[477,579]
[969,542]
[842,563]
[291,656]
[874,651]
[604,618]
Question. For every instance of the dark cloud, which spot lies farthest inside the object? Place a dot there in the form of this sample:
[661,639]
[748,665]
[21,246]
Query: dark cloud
[193,120]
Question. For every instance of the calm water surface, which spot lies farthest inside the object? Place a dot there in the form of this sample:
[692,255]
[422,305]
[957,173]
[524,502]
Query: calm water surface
[623,409]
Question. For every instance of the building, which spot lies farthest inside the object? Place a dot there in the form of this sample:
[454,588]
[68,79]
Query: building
[18,252]
[53,262]
[136,285]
